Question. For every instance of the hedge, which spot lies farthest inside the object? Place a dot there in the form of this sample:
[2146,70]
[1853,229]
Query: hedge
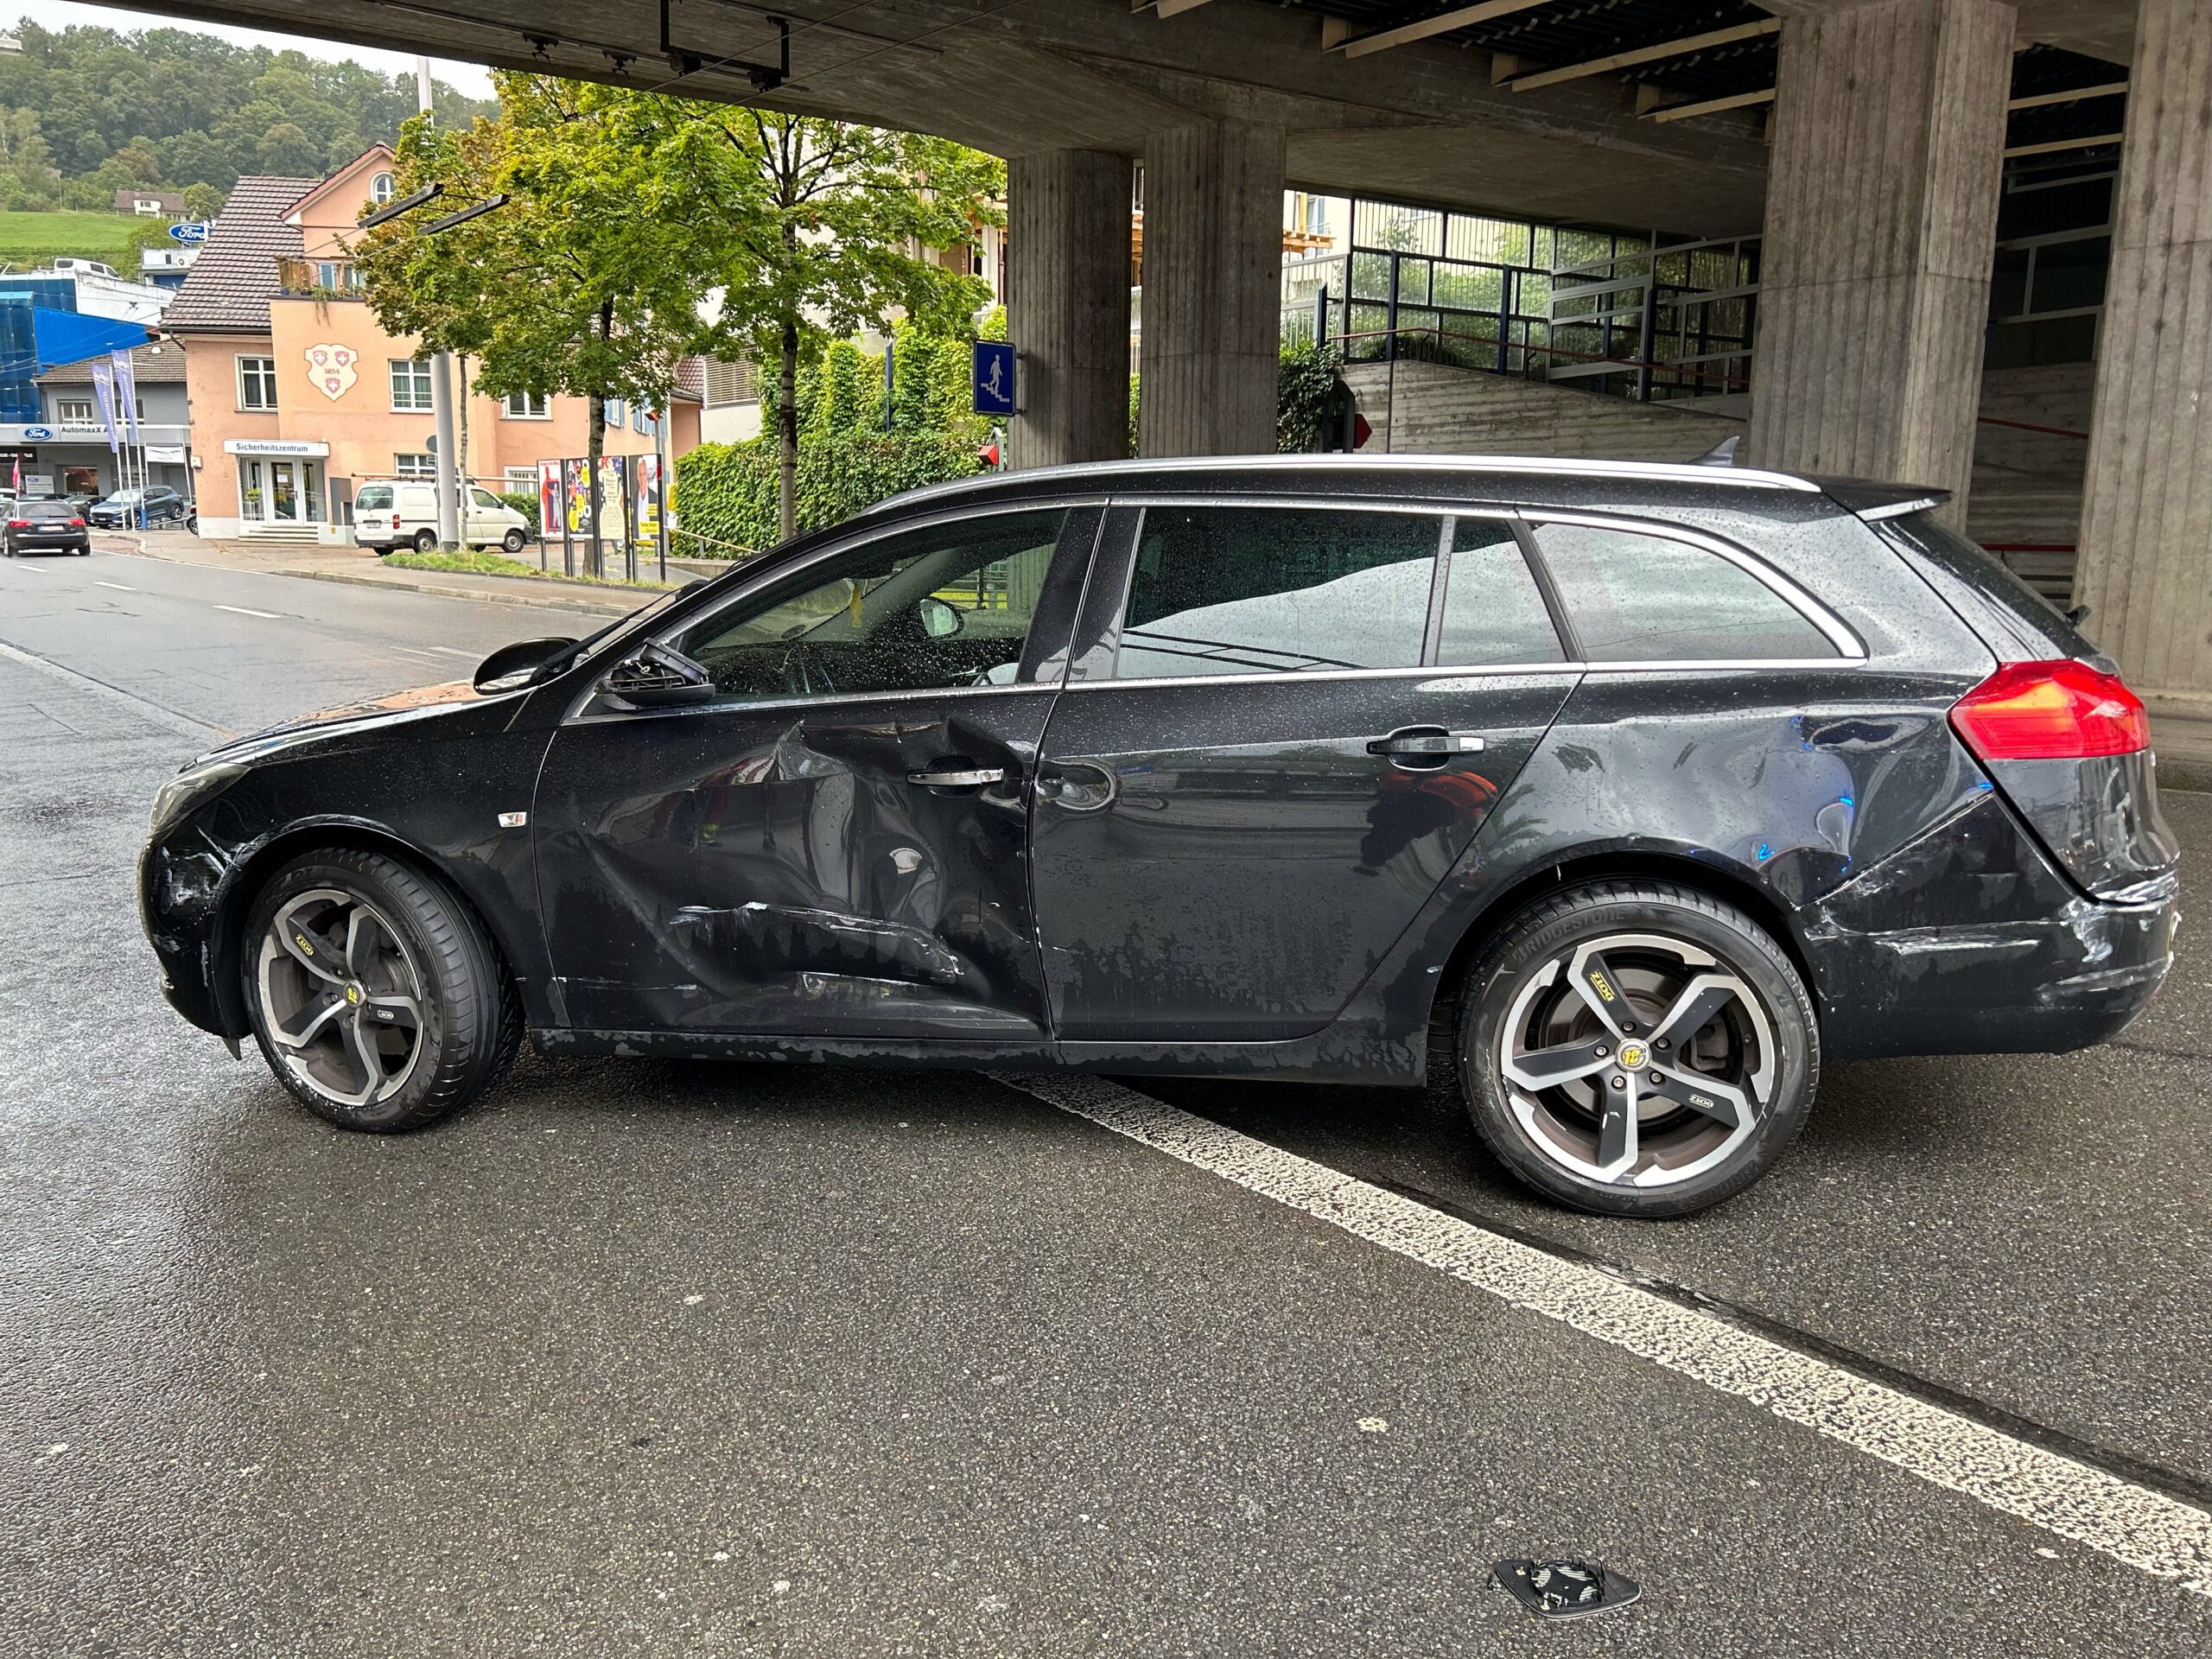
[726,491]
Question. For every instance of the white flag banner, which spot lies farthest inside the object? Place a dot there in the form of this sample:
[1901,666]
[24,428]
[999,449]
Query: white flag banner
[126,392]
[103,390]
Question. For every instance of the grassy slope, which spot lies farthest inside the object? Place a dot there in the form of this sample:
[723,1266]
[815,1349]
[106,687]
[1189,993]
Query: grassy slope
[27,238]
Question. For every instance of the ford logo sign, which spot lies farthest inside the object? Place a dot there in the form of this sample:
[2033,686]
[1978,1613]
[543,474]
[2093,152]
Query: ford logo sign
[32,432]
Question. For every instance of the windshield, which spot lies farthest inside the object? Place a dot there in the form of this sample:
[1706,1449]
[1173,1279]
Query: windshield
[126,498]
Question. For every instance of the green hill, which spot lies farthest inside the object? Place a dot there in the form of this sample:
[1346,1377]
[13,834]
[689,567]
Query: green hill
[31,239]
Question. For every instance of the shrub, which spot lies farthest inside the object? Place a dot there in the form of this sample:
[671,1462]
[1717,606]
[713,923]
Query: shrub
[727,491]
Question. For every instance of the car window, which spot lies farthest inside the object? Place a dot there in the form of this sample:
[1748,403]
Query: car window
[1638,598]
[45,510]
[1247,590]
[1493,610]
[483,498]
[373,498]
[948,605]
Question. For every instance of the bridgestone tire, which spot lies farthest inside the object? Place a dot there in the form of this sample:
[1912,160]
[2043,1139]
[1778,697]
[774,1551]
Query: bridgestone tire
[1501,979]
[471,1023]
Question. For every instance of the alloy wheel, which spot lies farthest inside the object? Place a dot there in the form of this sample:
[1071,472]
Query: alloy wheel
[1638,1060]
[341,997]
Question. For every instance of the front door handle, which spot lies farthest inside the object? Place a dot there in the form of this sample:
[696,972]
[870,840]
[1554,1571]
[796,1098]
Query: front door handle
[1426,740]
[966,778]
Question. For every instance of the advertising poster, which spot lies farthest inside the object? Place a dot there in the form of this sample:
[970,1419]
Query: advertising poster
[576,511]
[614,499]
[648,492]
[548,499]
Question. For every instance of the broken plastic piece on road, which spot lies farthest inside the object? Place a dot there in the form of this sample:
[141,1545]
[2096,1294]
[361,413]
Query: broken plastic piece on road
[1566,1589]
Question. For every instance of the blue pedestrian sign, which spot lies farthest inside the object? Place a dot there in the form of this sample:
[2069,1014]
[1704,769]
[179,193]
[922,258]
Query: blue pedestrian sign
[192,231]
[994,377]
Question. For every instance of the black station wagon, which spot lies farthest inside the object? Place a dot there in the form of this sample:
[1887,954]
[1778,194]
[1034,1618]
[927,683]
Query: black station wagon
[1648,787]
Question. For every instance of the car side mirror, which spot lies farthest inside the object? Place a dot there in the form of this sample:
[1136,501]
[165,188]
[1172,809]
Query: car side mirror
[510,666]
[657,677]
[941,621]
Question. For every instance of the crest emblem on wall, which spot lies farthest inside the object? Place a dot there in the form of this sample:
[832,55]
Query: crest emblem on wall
[330,368]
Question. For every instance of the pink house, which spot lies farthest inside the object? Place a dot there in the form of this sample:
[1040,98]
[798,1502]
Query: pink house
[297,397]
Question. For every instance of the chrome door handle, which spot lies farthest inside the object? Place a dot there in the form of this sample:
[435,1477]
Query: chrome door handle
[965,780]
[1416,740]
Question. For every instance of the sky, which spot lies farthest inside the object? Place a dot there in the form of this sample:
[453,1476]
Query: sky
[472,78]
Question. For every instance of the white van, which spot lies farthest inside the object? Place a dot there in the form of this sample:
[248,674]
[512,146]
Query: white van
[390,513]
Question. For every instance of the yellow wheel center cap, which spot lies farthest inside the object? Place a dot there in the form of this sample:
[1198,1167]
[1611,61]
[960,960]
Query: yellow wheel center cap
[1631,1055]
[354,995]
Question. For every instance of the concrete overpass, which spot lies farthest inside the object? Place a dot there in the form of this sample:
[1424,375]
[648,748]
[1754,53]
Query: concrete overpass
[1866,137]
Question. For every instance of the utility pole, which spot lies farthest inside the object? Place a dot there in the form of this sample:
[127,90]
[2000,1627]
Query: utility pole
[447,460]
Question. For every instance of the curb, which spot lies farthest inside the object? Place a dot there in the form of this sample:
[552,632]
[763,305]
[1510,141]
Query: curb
[539,602]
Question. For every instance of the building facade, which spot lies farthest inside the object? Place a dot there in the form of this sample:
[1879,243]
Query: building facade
[298,396]
[67,452]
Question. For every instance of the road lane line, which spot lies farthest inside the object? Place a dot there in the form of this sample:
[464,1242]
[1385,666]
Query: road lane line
[451,650]
[117,586]
[186,725]
[2144,1528]
[240,610]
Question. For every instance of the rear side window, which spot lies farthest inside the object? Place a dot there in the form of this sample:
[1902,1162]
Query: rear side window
[1256,590]
[2044,629]
[1493,611]
[1636,598]
[373,498]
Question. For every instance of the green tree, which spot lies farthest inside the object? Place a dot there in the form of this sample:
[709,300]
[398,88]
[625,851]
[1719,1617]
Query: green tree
[819,222]
[584,283]
[202,201]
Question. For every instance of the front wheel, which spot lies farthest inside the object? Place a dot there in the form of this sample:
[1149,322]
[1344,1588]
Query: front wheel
[514,541]
[374,993]
[1637,1049]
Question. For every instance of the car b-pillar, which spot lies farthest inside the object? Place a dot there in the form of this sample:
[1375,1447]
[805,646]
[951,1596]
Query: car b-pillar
[1212,290]
[1881,228]
[1067,306]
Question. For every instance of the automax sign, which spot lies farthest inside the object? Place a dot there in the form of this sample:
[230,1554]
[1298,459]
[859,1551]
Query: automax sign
[275,447]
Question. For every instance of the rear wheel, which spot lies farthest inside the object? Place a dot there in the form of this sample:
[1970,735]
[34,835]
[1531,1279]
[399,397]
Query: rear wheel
[1637,1049]
[426,541]
[374,993]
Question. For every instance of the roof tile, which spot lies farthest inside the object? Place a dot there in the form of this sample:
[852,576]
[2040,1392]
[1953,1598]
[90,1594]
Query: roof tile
[232,281]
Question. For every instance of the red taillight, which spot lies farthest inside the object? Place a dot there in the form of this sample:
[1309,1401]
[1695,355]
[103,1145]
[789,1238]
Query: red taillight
[19,524]
[2052,711]
[76,523]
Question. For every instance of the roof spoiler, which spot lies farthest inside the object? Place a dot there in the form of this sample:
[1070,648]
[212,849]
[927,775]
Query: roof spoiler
[1874,499]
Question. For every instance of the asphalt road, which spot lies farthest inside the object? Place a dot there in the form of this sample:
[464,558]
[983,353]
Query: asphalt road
[733,1360]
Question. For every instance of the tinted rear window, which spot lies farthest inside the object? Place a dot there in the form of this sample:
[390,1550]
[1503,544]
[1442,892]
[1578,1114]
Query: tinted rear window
[374,498]
[1282,590]
[40,510]
[1632,597]
[2043,626]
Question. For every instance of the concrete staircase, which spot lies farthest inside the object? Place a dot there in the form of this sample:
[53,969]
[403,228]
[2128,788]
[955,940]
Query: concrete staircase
[2026,503]
[283,535]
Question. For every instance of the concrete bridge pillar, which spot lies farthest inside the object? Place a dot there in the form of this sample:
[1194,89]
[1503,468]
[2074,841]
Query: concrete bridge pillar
[1212,290]
[2145,565]
[1068,305]
[1881,227]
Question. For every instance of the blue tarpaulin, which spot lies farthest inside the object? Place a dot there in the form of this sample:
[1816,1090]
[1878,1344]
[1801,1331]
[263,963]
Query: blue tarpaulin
[35,338]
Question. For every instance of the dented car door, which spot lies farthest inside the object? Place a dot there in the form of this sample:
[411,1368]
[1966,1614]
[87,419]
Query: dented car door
[834,841]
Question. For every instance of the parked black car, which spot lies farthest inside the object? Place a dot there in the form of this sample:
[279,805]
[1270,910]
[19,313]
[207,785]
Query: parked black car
[40,522]
[148,509]
[1652,786]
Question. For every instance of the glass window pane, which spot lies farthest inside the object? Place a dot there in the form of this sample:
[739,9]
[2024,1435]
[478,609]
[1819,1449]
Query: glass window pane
[1636,598]
[1493,611]
[1247,590]
[943,606]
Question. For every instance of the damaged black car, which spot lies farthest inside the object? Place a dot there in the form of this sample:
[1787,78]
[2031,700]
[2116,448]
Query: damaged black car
[1644,789]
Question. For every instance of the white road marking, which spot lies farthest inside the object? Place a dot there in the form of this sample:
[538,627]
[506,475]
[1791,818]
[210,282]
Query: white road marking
[451,650]
[409,650]
[184,725]
[2144,1528]
[117,586]
[240,610]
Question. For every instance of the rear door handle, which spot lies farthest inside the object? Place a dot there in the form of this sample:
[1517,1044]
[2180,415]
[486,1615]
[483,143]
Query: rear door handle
[1427,739]
[968,778]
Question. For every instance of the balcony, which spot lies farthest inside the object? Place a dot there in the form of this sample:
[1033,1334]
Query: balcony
[317,279]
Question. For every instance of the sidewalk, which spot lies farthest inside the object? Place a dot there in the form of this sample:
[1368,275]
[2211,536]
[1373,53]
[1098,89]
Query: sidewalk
[362,569]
